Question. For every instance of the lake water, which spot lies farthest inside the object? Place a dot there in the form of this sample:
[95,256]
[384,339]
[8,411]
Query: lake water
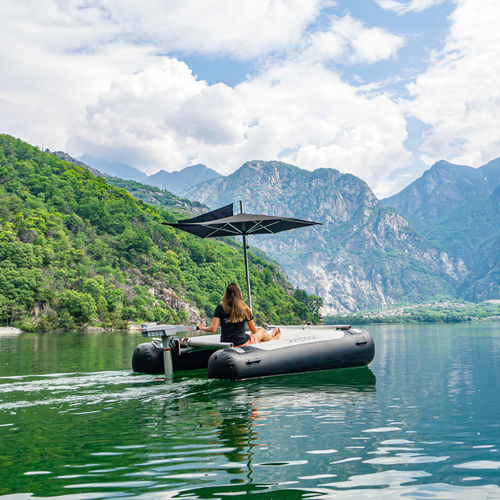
[423,421]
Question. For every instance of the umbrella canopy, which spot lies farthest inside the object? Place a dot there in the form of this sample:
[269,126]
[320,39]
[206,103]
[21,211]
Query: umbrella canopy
[222,222]
[241,224]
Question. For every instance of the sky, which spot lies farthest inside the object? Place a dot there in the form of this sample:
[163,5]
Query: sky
[381,89]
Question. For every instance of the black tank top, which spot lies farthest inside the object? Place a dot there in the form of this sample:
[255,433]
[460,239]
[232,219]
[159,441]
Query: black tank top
[231,332]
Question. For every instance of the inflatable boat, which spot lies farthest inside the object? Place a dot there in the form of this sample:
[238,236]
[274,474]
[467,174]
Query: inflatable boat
[301,348]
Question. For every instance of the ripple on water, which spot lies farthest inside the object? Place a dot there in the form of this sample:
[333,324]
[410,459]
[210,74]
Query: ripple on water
[386,478]
[345,460]
[318,476]
[322,452]
[479,464]
[389,442]
[287,463]
[118,484]
[383,429]
[405,458]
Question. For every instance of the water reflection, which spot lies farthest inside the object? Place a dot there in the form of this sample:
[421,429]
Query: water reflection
[252,420]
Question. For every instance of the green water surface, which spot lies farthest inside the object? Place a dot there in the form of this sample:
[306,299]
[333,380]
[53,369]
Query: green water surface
[423,421]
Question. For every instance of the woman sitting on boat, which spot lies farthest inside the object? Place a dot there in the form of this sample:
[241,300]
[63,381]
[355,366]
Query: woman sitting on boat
[231,314]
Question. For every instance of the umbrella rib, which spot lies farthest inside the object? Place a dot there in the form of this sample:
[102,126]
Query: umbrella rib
[216,229]
[210,234]
[259,225]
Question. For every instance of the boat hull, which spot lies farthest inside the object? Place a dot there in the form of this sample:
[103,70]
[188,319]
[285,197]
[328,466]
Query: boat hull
[300,349]
[352,349]
[148,358]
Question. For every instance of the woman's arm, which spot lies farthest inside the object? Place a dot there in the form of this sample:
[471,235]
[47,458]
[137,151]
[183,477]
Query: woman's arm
[252,326]
[212,328]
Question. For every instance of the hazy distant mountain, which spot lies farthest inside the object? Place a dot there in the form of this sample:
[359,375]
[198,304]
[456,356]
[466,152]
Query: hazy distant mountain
[175,182]
[443,188]
[182,180]
[365,255]
[491,172]
[121,170]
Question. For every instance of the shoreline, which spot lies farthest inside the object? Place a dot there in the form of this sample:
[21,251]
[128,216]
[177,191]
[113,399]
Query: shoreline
[365,322]
[5,331]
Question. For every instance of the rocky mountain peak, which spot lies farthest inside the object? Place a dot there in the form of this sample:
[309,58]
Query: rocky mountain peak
[451,172]
[441,165]
[272,171]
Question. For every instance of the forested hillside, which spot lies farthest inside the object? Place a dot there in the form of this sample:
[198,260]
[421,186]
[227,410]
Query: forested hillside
[76,250]
[156,196]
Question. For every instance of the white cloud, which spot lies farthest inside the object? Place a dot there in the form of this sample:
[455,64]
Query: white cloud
[404,7]
[91,78]
[58,57]
[242,29]
[348,39]
[301,114]
[459,94]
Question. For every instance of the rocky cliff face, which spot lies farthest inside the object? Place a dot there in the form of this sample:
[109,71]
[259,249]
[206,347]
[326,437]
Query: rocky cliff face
[365,255]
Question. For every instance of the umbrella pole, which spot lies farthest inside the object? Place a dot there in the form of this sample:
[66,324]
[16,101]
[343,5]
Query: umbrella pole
[246,270]
[249,293]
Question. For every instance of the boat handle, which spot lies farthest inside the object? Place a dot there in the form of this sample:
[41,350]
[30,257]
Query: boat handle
[250,361]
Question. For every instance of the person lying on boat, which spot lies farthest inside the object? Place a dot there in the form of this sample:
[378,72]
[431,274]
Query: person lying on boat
[231,314]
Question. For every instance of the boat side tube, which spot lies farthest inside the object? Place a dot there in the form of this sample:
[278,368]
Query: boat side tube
[169,353]
[354,348]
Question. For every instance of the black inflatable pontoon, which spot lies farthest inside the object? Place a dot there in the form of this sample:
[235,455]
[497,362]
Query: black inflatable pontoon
[300,349]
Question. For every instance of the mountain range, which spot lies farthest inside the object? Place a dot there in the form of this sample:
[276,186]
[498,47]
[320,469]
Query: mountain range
[364,256]
[437,238]
[471,233]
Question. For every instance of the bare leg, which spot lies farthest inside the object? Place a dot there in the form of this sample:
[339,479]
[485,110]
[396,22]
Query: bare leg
[264,336]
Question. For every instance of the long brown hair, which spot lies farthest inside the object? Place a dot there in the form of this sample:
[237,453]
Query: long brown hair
[233,302]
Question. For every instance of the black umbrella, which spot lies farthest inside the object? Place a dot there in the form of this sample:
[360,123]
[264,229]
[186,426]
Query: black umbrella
[222,222]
